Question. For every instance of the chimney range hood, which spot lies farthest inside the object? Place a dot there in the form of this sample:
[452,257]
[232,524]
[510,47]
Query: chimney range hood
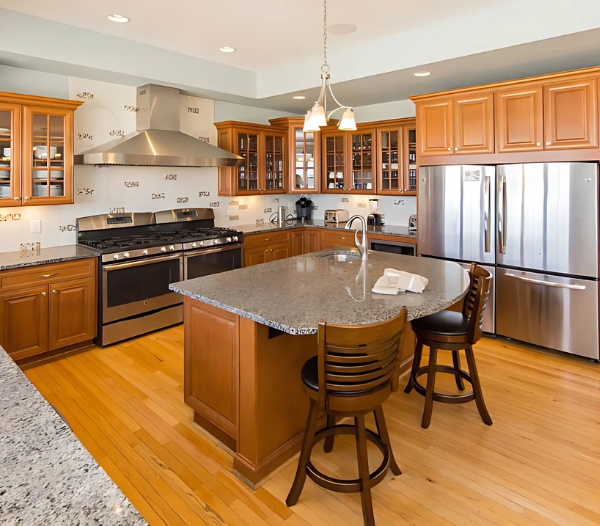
[158,140]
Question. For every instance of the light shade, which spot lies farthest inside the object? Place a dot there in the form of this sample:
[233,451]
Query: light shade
[309,126]
[348,123]
[317,115]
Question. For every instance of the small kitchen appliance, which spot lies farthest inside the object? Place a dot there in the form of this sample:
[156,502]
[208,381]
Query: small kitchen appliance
[374,218]
[141,254]
[337,216]
[412,223]
[304,208]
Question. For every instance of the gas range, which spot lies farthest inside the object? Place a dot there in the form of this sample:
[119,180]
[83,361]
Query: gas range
[141,254]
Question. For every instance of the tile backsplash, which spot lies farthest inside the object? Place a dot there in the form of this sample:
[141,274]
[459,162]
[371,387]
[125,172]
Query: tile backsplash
[108,112]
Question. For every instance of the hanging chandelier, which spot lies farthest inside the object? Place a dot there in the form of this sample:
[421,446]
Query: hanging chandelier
[317,116]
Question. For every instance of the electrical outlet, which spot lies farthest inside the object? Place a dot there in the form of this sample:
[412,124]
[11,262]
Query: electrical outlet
[36,226]
[243,207]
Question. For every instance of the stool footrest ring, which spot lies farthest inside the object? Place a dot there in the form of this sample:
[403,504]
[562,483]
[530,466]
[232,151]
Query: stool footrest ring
[440,397]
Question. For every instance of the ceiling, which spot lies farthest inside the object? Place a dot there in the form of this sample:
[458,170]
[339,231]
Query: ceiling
[463,43]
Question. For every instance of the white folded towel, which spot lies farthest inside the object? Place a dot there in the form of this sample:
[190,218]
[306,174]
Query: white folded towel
[396,281]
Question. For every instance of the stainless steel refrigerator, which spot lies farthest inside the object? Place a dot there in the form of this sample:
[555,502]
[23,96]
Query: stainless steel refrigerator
[535,228]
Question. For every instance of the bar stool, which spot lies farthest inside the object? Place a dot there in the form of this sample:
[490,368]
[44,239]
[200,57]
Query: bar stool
[452,331]
[354,372]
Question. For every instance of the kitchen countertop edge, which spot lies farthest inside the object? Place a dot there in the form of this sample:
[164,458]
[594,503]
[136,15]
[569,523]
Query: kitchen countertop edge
[46,256]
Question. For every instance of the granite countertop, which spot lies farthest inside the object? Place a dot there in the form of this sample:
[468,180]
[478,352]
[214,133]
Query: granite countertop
[386,230]
[46,475]
[12,260]
[295,294]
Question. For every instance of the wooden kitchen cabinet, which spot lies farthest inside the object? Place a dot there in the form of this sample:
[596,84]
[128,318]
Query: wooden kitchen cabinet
[312,240]
[337,238]
[303,156]
[571,114]
[435,127]
[263,170]
[297,242]
[519,119]
[36,150]
[397,158]
[48,307]
[266,247]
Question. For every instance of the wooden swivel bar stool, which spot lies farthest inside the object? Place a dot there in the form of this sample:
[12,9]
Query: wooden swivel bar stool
[452,331]
[354,372]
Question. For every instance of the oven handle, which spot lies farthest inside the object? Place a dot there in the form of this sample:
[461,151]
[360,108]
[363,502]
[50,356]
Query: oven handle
[139,262]
[201,251]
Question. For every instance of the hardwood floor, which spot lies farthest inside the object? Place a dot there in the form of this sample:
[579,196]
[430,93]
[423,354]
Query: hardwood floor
[538,464]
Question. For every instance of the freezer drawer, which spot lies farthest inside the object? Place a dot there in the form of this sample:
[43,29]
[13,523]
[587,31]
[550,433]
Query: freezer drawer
[551,311]
[489,317]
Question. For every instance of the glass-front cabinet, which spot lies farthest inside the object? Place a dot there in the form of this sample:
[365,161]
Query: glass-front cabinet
[36,150]
[362,162]
[262,169]
[397,158]
[334,162]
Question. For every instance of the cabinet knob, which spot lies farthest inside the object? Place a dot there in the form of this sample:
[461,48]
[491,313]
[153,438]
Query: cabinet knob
[17,198]
[538,144]
[456,149]
[43,293]
[27,198]
[54,291]
[548,143]
[449,149]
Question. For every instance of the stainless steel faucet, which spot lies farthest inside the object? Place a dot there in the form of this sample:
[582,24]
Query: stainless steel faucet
[362,248]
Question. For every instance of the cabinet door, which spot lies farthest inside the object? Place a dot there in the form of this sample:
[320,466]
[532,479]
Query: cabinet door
[334,163]
[390,160]
[409,176]
[24,322]
[435,127]
[297,242]
[48,160]
[278,251]
[304,161]
[335,239]
[247,146]
[474,123]
[312,241]
[571,115]
[72,316]
[274,164]
[362,149]
[255,256]
[10,155]
[519,120]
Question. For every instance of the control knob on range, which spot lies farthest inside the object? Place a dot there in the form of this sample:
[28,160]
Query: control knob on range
[116,256]
[194,245]
[163,249]
[235,238]
[171,247]
[228,240]
[145,252]
[215,241]
[126,255]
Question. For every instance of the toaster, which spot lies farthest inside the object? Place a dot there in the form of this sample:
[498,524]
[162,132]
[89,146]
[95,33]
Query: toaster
[337,216]
[412,223]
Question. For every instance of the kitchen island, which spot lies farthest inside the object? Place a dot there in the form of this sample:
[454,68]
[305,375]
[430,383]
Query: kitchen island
[249,331]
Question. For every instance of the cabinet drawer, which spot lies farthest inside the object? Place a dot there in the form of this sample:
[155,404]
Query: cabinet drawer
[56,273]
[332,239]
[269,238]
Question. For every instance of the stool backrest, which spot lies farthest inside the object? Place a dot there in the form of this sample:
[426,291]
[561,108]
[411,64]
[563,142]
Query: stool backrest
[359,358]
[476,301]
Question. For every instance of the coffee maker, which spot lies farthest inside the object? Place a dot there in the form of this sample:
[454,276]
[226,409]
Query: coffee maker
[374,218]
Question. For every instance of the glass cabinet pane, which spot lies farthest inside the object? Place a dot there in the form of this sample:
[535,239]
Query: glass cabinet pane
[334,162]
[411,185]
[48,155]
[304,159]
[274,162]
[390,153]
[247,147]
[362,161]
[6,142]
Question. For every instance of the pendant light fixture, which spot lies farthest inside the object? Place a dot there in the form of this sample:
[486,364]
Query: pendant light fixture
[317,116]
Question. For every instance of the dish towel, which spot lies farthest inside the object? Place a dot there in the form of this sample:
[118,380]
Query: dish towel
[396,281]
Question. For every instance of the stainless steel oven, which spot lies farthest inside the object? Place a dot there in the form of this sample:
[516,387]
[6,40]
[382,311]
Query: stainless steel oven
[394,247]
[204,262]
[132,288]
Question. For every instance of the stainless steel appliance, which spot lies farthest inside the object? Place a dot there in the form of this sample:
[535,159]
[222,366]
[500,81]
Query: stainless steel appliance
[535,226]
[337,216]
[412,223]
[375,218]
[141,254]
[393,247]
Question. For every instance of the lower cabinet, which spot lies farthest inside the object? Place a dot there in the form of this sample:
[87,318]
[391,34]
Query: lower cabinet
[312,240]
[47,307]
[337,238]
[264,248]
[297,243]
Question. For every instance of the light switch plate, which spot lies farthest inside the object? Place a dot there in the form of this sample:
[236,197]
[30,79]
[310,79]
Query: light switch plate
[36,226]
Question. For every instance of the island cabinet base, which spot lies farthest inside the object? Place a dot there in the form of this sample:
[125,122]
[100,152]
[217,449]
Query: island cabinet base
[243,381]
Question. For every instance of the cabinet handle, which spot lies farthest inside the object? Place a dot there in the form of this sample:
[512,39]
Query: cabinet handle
[456,149]
[548,143]
[17,198]
[43,293]
[27,198]
[266,239]
[54,291]
[538,144]
[48,275]
[449,149]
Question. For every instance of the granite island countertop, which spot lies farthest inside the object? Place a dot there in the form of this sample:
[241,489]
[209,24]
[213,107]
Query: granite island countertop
[385,230]
[47,477]
[294,294]
[18,259]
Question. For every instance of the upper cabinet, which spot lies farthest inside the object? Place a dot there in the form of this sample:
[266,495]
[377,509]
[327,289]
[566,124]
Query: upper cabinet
[263,170]
[303,156]
[397,158]
[457,124]
[520,119]
[36,150]
[571,114]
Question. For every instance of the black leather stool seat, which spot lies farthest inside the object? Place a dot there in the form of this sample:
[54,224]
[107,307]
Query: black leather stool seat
[444,323]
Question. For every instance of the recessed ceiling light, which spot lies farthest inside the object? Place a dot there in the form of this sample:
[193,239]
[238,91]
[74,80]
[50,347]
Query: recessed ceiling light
[118,18]
[422,73]
[341,29]
[227,49]
[299,97]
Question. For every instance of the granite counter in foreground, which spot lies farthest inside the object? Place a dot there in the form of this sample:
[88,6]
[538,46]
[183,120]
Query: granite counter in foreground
[12,260]
[294,294]
[47,477]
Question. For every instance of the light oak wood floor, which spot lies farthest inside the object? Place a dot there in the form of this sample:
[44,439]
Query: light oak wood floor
[538,464]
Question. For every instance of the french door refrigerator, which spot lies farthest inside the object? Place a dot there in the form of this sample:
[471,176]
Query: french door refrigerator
[537,226]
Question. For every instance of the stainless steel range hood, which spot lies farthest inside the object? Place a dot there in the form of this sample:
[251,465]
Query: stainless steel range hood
[158,140]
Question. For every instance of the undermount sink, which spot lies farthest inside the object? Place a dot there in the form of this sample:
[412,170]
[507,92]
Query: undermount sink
[339,255]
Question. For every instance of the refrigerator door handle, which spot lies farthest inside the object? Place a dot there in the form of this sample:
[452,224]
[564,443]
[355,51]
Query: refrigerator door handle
[548,283]
[502,217]
[486,212]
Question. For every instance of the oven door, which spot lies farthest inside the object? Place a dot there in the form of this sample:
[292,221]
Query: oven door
[135,287]
[212,261]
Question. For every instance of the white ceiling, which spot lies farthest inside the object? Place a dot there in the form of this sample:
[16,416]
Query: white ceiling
[265,33]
